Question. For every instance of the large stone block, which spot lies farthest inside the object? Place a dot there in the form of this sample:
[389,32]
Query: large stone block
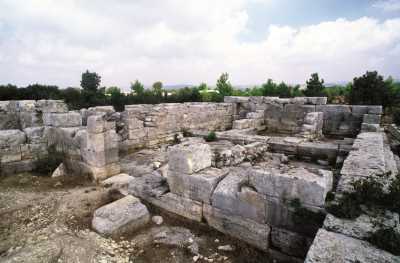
[337,248]
[297,183]
[372,118]
[122,216]
[70,119]
[244,229]
[198,186]
[51,106]
[189,158]
[11,138]
[179,205]
[318,151]
[290,242]
[35,134]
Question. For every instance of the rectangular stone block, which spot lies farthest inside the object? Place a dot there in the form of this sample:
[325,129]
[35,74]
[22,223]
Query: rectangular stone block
[289,242]
[372,118]
[198,186]
[11,138]
[179,205]
[70,119]
[249,231]
[318,151]
[189,158]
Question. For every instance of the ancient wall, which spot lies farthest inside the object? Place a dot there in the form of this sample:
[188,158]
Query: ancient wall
[303,115]
[347,240]
[148,125]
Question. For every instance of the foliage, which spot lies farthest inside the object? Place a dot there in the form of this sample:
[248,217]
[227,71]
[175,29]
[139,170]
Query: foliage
[396,116]
[211,136]
[387,239]
[302,214]
[137,88]
[158,88]
[116,98]
[370,89]
[224,87]
[90,81]
[315,86]
[369,193]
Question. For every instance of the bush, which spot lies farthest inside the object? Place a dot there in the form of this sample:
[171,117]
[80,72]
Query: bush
[387,239]
[211,136]
[302,214]
[396,116]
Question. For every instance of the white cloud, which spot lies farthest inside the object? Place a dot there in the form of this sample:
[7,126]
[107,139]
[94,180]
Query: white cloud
[387,5]
[180,41]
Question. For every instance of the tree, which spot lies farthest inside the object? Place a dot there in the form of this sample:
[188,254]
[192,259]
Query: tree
[116,98]
[315,86]
[370,89]
[224,87]
[137,88]
[90,81]
[158,88]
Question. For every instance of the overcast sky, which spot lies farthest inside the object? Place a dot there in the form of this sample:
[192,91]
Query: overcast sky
[193,41]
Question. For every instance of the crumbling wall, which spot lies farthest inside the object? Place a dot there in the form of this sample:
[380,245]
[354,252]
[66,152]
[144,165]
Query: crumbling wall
[26,131]
[306,116]
[148,125]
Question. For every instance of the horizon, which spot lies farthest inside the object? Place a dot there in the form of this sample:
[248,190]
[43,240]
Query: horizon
[53,42]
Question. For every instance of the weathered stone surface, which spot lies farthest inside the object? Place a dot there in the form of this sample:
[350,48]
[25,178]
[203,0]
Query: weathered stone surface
[176,204]
[363,226]
[34,134]
[119,182]
[372,118]
[45,251]
[70,119]
[367,127]
[148,185]
[310,188]
[318,150]
[198,186]
[333,247]
[289,242]
[244,229]
[125,215]
[52,106]
[11,138]
[189,158]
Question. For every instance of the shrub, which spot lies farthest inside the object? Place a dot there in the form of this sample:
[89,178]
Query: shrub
[387,239]
[302,214]
[396,116]
[211,136]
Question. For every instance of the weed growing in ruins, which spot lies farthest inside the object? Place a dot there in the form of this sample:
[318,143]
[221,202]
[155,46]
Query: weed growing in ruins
[302,214]
[387,239]
[211,136]
[177,140]
[370,193]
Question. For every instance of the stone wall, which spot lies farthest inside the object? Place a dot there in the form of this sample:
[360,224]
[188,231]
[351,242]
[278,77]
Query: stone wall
[346,240]
[308,116]
[148,125]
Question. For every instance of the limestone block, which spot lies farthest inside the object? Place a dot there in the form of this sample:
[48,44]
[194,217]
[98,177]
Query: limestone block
[119,182]
[243,124]
[34,134]
[289,242]
[148,185]
[179,205]
[52,106]
[372,118]
[70,119]
[11,138]
[367,127]
[12,154]
[316,100]
[337,248]
[96,124]
[101,173]
[198,186]
[375,109]
[30,119]
[13,168]
[26,105]
[189,158]
[318,151]
[244,229]
[122,216]
[135,134]
[280,145]
[310,188]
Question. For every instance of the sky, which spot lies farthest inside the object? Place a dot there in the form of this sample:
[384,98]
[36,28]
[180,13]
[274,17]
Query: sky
[190,41]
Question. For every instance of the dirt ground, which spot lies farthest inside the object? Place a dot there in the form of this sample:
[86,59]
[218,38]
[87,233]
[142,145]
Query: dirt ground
[46,219]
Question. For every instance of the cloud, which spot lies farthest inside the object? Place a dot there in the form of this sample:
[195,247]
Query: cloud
[387,5]
[181,41]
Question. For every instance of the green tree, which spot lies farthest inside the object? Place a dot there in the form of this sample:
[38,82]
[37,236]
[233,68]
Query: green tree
[224,87]
[158,88]
[315,86]
[90,81]
[116,98]
[137,88]
[370,89]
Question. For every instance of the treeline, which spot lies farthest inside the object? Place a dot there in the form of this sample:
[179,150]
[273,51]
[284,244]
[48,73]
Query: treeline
[370,88]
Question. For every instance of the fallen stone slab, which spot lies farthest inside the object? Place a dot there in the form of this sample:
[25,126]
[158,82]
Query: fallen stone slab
[338,248]
[125,215]
[119,182]
[189,158]
[244,229]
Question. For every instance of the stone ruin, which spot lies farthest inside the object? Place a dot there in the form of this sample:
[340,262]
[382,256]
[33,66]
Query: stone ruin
[273,157]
